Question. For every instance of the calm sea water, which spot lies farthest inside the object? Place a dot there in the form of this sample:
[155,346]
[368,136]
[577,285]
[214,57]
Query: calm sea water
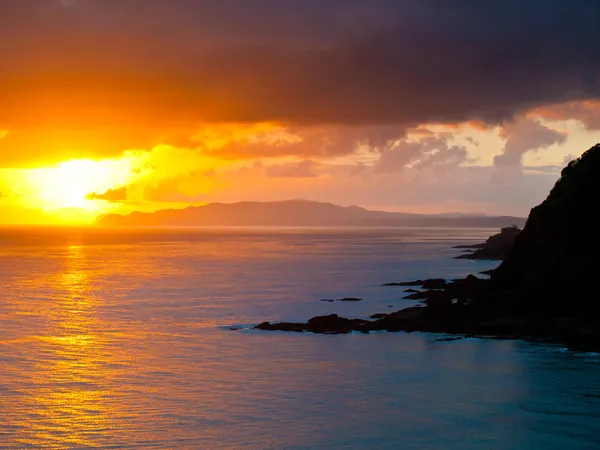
[121,339]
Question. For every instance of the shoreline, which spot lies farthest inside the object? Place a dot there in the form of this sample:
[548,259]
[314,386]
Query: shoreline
[463,308]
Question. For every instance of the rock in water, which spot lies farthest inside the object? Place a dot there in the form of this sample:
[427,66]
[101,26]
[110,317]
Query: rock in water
[331,324]
[554,261]
[432,283]
[345,299]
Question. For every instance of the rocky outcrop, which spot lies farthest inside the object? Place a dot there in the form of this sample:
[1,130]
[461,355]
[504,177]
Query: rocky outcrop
[331,324]
[458,320]
[496,247]
[470,307]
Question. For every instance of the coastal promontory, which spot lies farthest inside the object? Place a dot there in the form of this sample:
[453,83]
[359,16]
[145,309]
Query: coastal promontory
[545,288]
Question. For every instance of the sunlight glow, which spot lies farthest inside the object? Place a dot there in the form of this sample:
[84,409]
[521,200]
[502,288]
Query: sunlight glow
[77,191]
[67,185]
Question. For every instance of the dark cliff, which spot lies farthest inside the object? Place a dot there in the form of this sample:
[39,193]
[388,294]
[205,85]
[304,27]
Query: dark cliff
[554,260]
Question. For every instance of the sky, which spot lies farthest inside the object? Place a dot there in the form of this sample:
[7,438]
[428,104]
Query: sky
[113,106]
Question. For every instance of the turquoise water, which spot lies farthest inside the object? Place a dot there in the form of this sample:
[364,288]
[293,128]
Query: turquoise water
[121,339]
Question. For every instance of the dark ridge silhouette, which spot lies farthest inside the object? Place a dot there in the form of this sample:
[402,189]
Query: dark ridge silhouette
[544,289]
[296,213]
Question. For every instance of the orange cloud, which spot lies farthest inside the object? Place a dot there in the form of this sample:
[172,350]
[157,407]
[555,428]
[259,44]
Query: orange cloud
[110,195]
[43,146]
[586,111]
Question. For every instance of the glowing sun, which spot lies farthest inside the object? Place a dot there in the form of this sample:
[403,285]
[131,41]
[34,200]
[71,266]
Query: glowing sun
[67,185]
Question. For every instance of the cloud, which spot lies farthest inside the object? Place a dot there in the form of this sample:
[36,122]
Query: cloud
[248,141]
[521,136]
[189,186]
[396,158]
[550,170]
[587,112]
[433,151]
[111,195]
[39,145]
[165,64]
[171,190]
[472,141]
[226,141]
[302,169]
[446,156]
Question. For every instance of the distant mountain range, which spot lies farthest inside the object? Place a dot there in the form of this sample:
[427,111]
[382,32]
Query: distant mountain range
[298,213]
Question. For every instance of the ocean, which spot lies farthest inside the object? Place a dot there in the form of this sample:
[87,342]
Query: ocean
[123,339]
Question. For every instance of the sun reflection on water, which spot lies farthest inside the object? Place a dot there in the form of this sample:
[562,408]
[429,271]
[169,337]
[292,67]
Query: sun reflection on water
[74,394]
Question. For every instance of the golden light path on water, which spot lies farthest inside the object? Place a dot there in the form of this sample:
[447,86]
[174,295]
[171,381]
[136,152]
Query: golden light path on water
[81,368]
[74,396]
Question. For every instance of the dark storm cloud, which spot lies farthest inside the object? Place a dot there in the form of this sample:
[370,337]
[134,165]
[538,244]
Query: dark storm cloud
[81,62]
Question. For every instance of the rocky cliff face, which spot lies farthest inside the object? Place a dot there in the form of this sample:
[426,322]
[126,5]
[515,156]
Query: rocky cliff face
[555,259]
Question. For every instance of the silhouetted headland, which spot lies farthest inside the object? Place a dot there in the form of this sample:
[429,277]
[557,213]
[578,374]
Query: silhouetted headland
[297,213]
[496,247]
[545,289]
